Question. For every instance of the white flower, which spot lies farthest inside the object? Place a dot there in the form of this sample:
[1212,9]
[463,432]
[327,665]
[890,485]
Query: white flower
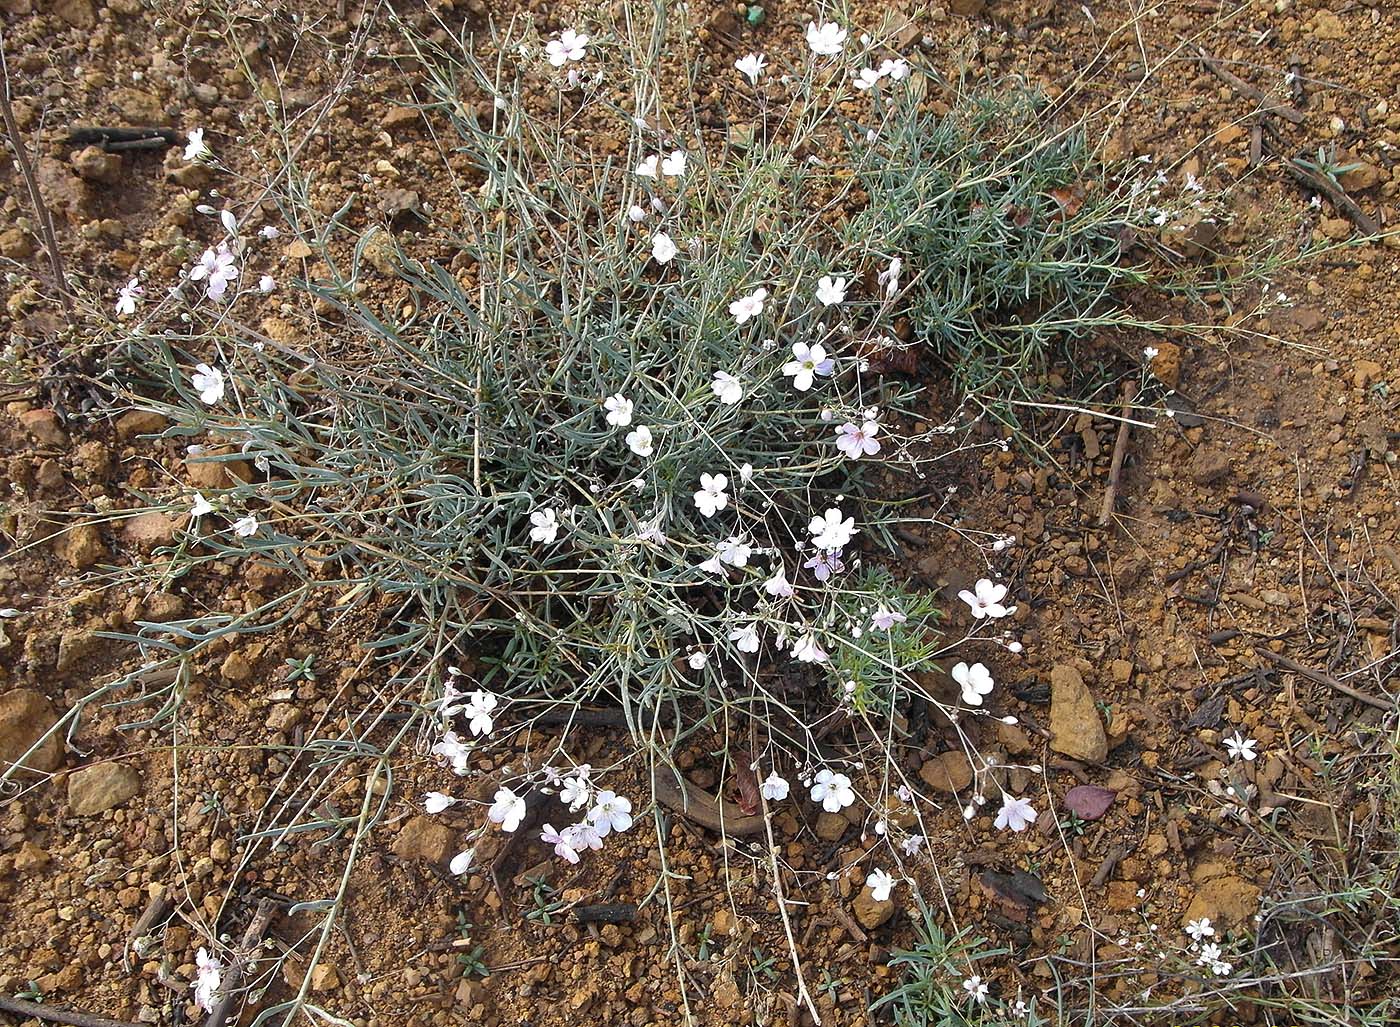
[976,681]
[584,836]
[674,165]
[884,618]
[830,291]
[478,710]
[867,78]
[778,584]
[746,473]
[575,791]
[229,220]
[1149,353]
[896,69]
[127,297]
[201,506]
[611,812]
[697,660]
[1016,813]
[570,46]
[985,599]
[807,361]
[269,232]
[508,810]
[806,649]
[663,249]
[734,551]
[775,788]
[462,862]
[1220,968]
[209,383]
[639,440]
[880,884]
[1240,747]
[830,531]
[711,496]
[436,802]
[196,149]
[1200,929]
[857,441]
[826,40]
[267,284]
[1210,953]
[727,388]
[457,753]
[832,790]
[751,66]
[562,842]
[209,974]
[912,844]
[745,637]
[245,526]
[636,214]
[889,277]
[750,306]
[546,525]
[647,168]
[619,409]
[217,269]
[976,988]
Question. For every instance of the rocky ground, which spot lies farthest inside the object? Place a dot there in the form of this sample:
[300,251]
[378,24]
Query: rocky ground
[1250,581]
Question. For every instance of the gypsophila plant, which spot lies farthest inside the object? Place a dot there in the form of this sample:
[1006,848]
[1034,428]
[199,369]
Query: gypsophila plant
[638,431]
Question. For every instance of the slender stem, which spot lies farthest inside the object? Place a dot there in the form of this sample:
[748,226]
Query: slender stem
[26,170]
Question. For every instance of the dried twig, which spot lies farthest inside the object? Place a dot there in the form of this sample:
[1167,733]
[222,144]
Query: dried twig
[1325,679]
[1239,85]
[31,182]
[696,804]
[229,992]
[1120,451]
[52,1015]
[157,912]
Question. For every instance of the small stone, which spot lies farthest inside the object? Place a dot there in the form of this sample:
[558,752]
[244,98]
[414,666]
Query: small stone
[399,116]
[830,826]
[44,427]
[150,529]
[140,422]
[24,717]
[16,244]
[1208,465]
[75,646]
[94,164]
[724,922]
[950,771]
[424,838]
[30,857]
[1166,365]
[216,474]
[324,978]
[101,786]
[235,669]
[78,13]
[1122,671]
[1335,229]
[1075,727]
[284,717]
[1227,900]
[870,912]
[81,546]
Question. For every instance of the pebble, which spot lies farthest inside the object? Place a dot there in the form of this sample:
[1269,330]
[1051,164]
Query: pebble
[24,717]
[97,788]
[1075,727]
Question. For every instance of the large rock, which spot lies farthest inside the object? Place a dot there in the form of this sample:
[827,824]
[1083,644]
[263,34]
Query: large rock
[100,787]
[1075,727]
[24,717]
